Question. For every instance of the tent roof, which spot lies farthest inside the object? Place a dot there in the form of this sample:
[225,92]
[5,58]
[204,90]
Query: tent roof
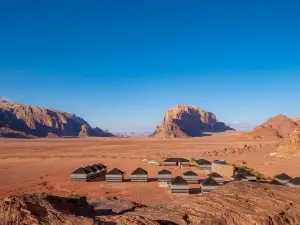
[190,173]
[139,171]
[80,171]
[203,162]
[295,181]
[209,182]
[215,175]
[176,160]
[179,181]
[115,171]
[283,176]
[164,172]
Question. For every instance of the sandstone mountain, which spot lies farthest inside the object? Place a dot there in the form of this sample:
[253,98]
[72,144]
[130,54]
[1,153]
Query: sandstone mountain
[18,120]
[277,127]
[188,121]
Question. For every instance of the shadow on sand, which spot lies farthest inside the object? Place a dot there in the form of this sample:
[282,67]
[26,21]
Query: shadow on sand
[149,180]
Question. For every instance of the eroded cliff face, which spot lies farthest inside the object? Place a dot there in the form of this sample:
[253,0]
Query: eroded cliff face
[18,120]
[188,121]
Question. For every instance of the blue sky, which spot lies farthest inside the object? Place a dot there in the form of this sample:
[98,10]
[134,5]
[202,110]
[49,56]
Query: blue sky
[121,64]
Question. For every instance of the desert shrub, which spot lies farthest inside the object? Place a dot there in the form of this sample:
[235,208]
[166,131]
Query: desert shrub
[259,175]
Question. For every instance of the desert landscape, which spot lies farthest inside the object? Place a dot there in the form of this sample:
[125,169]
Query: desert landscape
[36,169]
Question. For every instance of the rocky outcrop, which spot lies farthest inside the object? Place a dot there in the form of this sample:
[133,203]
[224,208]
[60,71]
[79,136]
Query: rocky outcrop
[188,121]
[18,120]
[290,146]
[277,127]
[236,203]
[46,209]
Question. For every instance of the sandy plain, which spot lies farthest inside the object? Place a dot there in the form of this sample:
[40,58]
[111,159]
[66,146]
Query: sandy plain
[44,165]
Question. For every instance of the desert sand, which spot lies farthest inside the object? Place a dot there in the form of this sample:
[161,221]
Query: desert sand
[43,165]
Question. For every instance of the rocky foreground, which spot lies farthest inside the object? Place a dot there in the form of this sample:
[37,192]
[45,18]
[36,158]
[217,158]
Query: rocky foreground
[188,121]
[236,203]
[24,121]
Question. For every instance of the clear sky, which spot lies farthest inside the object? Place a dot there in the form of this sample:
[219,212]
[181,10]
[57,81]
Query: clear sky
[121,64]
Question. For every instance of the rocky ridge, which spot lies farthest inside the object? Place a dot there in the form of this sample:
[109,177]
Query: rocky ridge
[188,121]
[24,121]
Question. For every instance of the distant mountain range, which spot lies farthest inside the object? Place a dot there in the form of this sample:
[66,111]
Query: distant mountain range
[24,121]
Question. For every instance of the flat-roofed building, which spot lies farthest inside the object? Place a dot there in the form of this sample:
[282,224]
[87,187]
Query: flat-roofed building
[176,162]
[217,177]
[222,168]
[115,175]
[208,185]
[283,178]
[179,185]
[203,164]
[80,174]
[295,182]
[191,177]
[164,176]
[139,175]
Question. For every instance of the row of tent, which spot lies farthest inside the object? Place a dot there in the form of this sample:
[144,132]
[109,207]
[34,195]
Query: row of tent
[177,185]
[139,175]
[88,173]
[284,179]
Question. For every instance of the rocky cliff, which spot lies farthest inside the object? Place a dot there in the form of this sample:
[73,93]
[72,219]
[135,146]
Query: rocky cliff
[18,120]
[188,121]
[278,127]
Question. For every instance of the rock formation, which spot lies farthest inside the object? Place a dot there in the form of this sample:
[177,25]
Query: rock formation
[46,209]
[188,121]
[277,127]
[236,203]
[18,120]
[290,146]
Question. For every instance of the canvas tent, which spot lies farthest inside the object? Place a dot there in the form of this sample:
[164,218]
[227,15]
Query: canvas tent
[139,175]
[208,185]
[191,177]
[80,174]
[179,185]
[203,164]
[283,178]
[115,175]
[295,182]
[164,176]
[217,177]
[176,162]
